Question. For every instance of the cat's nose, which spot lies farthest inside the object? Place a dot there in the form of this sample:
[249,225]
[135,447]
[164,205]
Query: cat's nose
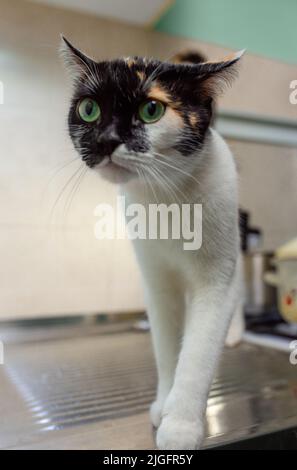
[108,146]
[108,140]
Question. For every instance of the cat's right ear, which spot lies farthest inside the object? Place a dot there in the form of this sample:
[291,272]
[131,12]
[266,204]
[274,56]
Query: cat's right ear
[77,62]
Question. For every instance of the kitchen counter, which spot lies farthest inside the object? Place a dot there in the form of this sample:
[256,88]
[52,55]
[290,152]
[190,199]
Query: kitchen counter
[88,386]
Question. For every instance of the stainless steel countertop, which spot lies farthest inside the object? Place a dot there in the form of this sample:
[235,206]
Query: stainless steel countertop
[90,386]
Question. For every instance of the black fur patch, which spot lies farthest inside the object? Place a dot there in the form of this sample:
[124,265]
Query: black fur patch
[117,89]
[120,86]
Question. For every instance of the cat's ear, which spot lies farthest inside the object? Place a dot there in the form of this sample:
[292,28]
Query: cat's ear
[76,61]
[215,76]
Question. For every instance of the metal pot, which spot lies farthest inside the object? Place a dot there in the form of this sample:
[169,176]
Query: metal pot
[285,280]
[260,297]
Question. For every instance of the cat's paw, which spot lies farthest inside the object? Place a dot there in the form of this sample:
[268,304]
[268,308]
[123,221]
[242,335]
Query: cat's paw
[177,434]
[156,413]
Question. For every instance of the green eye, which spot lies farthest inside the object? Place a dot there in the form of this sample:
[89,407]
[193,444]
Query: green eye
[89,110]
[151,111]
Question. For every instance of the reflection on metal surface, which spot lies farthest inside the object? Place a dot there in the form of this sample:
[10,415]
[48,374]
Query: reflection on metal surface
[72,382]
[85,379]
[254,392]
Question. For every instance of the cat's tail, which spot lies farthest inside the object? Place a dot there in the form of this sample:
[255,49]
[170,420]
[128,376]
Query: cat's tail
[190,57]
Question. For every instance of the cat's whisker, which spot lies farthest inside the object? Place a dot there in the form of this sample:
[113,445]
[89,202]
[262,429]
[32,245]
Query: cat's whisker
[74,190]
[165,177]
[59,169]
[155,161]
[188,175]
[153,190]
[52,177]
[146,169]
[66,185]
[162,181]
[144,181]
[163,185]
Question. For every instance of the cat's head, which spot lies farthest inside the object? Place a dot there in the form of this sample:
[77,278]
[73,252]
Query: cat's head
[134,116]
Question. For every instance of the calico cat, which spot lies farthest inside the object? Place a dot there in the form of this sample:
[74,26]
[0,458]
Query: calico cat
[141,122]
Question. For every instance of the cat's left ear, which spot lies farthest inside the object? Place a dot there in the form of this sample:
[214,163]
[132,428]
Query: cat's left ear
[215,76]
[76,61]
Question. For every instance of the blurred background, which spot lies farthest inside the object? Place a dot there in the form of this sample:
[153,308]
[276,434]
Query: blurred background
[52,266]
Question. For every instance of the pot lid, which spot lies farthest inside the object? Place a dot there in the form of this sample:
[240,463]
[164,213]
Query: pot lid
[287,251]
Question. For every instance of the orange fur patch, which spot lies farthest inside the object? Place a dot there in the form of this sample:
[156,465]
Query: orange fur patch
[229,58]
[193,118]
[140,75]
[130,62]
[158,93]
[176,105]
[226,59]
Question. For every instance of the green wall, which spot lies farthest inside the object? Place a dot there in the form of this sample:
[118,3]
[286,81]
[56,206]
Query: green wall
[264,27]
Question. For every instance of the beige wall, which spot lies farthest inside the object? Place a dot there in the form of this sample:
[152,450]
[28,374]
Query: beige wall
[51,267]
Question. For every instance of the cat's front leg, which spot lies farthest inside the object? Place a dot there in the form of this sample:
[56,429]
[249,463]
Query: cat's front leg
[165,307]
[207,321]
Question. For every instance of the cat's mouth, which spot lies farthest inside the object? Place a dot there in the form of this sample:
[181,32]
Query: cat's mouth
[107,161]
[115,169]
[115,163]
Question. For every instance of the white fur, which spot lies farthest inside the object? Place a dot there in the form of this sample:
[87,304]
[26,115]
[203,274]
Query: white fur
[192,295]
